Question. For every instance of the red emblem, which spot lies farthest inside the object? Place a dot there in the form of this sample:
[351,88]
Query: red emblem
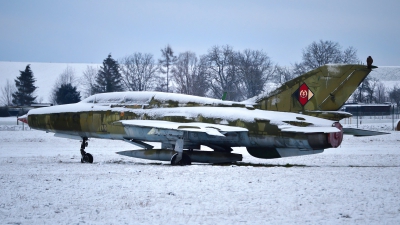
[303,94]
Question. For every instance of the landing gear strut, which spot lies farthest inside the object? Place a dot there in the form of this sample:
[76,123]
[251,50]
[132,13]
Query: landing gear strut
[86,157]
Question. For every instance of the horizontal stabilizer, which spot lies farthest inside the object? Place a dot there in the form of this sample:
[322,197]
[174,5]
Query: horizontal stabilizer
[359,132]
[329,115]
[296,129]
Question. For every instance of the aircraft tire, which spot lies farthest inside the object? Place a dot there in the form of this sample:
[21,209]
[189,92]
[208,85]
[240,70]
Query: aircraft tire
[183,162]
[87,158]
[90,158]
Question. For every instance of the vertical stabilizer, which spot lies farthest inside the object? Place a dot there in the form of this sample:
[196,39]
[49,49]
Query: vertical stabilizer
[326,88]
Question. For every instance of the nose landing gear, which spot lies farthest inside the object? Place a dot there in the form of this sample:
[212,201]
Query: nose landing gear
[86,157]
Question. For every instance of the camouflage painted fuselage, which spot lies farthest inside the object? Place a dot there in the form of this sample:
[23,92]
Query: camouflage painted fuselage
[261,132]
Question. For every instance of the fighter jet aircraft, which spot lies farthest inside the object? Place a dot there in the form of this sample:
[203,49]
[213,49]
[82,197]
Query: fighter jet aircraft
[183,123]
[265,134]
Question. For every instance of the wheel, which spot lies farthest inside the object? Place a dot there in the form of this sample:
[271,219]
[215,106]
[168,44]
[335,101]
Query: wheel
[183,162]
[90,158]
[87,158]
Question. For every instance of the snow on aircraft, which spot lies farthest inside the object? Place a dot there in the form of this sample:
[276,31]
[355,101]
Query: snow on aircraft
[182,123]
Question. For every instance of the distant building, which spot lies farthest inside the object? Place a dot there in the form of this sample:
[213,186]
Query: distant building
[40,105]
[7,111]
[359,109]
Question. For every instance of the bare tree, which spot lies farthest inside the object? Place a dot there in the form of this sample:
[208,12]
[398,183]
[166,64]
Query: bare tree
[87,80]
[7,91]
[349,55]
[394,94]
[189,75]
[362,92]
[66,77]
[184,70]
[255,69]
[166,62]
[39,99]
[283,74]
[299,69]
[222,66]
[161,85]
[372,83]
[381,94]
[324,52]
[201,84]
[138,71]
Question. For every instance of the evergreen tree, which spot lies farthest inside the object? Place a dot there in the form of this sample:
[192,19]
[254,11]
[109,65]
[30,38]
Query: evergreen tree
[108,78]
[67,94]
[25,88]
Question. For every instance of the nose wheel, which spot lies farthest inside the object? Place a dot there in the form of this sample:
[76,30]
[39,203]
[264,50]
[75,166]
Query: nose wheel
[86,157]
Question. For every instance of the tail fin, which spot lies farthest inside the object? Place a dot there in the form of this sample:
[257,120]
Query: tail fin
[326,88]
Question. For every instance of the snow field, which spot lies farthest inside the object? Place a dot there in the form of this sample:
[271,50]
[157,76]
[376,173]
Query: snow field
[43,182]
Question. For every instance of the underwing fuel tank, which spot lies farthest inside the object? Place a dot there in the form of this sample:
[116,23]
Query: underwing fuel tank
[195,156]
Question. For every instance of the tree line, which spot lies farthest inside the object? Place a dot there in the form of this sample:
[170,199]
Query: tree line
[238,75]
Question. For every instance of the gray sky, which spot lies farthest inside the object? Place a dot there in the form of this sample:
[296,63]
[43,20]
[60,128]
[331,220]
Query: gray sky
[86,31]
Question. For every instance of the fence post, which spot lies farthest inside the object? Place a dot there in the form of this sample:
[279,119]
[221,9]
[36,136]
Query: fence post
[393,116]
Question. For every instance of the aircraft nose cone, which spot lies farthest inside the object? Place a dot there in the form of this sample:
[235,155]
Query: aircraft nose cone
[23,119]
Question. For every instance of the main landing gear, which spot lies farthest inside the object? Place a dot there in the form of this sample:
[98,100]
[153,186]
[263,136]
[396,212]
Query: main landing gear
[180,158]
[86,157]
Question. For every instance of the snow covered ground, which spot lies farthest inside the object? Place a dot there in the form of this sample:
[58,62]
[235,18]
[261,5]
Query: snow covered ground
[43,182]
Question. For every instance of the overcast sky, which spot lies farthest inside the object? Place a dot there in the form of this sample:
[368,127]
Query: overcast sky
[86,31]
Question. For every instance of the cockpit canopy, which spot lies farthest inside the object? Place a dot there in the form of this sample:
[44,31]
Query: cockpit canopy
[120,98]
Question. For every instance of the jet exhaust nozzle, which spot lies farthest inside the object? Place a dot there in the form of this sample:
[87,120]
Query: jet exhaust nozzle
[329,140]
[335,139]
[23,118]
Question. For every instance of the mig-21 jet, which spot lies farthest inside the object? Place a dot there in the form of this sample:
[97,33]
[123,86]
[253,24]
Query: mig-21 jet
[183,123]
